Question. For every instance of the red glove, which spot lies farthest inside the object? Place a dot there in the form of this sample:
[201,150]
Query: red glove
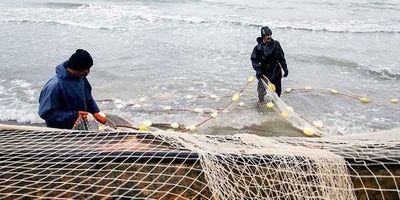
[100,117]
[82,114]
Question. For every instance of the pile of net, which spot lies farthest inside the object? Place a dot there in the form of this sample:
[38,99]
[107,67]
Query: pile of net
[129,164]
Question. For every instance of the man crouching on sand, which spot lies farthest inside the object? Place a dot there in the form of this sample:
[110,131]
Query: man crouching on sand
[68,94]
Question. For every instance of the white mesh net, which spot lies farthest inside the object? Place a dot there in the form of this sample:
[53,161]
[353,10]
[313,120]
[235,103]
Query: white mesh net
[170,165]
[245,166]
[288,113]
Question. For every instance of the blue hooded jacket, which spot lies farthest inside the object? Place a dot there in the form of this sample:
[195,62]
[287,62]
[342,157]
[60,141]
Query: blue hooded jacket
[63,96]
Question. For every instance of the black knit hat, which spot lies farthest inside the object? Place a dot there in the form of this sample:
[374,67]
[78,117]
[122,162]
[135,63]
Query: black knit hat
[81,59]
[265,31]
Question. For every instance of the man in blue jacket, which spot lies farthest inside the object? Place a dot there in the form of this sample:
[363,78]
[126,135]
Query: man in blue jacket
[68,94]
[268,59]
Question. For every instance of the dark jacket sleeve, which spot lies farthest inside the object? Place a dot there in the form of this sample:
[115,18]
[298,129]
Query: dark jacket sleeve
[281,57]
[256,60]
[90,102]
[50,108]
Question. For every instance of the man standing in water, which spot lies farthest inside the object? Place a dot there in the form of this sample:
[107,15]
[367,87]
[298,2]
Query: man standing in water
[268,59]
[68,94]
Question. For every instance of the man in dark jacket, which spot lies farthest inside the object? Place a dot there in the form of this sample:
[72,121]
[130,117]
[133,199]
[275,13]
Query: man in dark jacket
[68,94]
[268,59]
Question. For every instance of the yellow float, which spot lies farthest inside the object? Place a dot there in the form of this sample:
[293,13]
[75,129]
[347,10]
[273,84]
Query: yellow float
[333,91]
[394,100]
[364,99]
[284,114]
[271,87]
[308,132]
[143,128]
[270,105]
[251,79]
[236,97]
[175,125]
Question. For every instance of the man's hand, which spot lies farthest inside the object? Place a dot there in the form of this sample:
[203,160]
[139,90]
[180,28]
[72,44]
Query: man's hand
[100,117]
[286,72]
[82,114]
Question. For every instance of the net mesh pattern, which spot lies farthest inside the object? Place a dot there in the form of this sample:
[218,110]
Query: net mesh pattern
[116,164]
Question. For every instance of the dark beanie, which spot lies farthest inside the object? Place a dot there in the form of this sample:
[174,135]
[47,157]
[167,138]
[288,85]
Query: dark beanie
[81,59]
[265,31]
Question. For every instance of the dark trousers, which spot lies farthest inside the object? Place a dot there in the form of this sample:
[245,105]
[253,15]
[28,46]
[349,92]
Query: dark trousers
[262,91]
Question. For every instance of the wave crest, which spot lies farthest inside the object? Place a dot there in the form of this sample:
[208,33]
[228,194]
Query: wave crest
[65,23]
[64,5]
[376,71]
[111,17]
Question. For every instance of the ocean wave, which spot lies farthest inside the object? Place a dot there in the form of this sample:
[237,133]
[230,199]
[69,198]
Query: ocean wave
[20,83]
[338,30]
[376,71]
[384,73]
[333,26]
[18,101]
[66,23]
[20,112]
[108,17]
[64,5]
[194,20]
[379,6]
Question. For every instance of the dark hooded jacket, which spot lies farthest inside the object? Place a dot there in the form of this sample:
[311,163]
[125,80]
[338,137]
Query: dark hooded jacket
[63,96]
[268,59]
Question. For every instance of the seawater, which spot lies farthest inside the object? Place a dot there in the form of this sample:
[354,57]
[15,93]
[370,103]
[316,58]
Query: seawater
[178,53]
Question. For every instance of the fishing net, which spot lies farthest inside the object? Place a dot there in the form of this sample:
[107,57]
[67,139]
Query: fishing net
[288,113]
[121,160]
[130,164]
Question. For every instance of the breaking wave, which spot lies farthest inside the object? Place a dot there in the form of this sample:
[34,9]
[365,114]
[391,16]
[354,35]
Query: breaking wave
[122,18]
[64,5]
[18,101]
[376,71]
[66,23]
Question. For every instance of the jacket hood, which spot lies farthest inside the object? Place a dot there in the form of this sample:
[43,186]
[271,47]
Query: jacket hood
[61,71]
